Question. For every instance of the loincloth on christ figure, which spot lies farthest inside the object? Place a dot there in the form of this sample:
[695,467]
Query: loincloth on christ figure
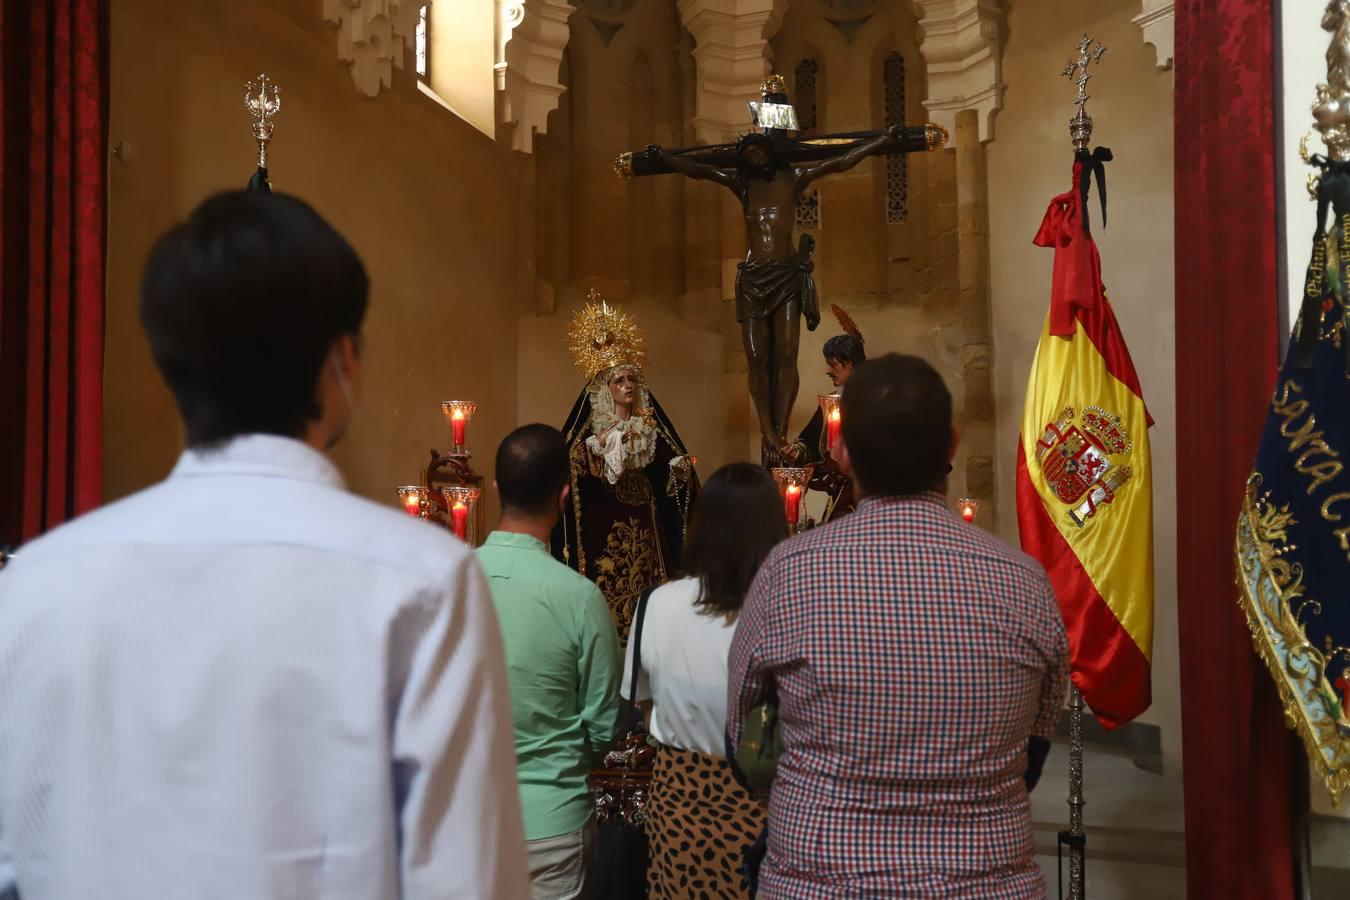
[763,286]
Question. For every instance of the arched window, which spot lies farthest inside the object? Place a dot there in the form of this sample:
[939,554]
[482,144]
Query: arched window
[804,99]
[897,174]
[461,59]
[804,93]
[423,42]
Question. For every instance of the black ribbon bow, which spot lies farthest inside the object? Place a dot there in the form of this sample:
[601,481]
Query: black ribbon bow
[1333,192]
[1093,163]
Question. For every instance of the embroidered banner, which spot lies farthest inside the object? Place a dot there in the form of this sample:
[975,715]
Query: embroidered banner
[1293,534]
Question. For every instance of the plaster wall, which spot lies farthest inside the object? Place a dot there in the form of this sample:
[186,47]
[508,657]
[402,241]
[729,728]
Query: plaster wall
[427,201]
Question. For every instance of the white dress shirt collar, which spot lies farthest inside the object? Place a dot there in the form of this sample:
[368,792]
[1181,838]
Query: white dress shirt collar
[262,455]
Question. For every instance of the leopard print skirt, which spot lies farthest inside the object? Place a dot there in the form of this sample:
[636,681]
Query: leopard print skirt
[699,823]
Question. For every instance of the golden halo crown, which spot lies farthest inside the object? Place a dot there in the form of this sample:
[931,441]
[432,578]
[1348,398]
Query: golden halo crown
[774,84]
[602,337]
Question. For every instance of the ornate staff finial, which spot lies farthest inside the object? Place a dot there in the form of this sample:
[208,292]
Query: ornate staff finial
[1080,126]
[262,99]
[1332,109]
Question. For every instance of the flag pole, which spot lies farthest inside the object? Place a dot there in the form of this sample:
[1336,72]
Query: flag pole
[1075,837]
[1080,133]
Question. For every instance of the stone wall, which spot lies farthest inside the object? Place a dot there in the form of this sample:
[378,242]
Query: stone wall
[427,201]
[650,244]
[668,245]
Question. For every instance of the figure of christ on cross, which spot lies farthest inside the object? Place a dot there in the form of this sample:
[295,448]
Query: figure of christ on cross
[774,286]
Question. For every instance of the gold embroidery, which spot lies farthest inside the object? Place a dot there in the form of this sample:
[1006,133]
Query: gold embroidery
[633,488]
[630,563]
[1274,602]
[1326,506]
[1306,435]
[579,464]
[1316,268]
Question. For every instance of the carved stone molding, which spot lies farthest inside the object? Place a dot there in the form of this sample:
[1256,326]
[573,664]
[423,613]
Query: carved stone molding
[1157,19]
[731,48]
[371,38]
[962,46]
[531,36]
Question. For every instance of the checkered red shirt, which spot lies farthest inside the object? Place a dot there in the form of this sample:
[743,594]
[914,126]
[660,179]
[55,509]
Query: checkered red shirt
[912,656]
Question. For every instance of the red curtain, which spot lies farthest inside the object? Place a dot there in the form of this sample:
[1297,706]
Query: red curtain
[53,196]
[1238,756]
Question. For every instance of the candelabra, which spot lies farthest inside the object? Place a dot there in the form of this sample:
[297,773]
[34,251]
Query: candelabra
[450,488]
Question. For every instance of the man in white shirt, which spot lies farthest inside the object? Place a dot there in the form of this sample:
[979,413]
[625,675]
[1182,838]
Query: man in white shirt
[245,682]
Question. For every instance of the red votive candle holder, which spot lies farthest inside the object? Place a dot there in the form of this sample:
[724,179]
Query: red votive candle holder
[462,501]
[458,413]
[413,498]
[967,508]
[829,408]
[791,483]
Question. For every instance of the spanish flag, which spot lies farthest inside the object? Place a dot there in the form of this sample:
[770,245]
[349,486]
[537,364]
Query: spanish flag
[1084,474]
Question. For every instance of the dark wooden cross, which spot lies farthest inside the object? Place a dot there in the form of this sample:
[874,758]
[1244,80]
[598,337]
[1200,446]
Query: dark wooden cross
[915,139]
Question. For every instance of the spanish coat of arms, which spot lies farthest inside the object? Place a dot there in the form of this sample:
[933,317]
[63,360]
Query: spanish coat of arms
[1083,458]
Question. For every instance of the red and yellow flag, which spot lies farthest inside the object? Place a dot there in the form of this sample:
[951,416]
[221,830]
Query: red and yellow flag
[1085,476]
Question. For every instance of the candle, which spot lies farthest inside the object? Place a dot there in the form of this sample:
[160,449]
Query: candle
[457,428]
[968,510]
[459,513]
[832,430]
[412,504]
[792,504]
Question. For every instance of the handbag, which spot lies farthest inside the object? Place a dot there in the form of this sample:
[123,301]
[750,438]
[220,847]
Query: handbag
[758,751]
[620,788]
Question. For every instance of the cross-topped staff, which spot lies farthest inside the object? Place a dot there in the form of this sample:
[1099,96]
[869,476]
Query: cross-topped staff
[1092,162]
[262,100]
[1080,126]
[1086,163]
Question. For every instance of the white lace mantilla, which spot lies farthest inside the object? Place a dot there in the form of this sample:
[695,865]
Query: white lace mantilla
[624,444]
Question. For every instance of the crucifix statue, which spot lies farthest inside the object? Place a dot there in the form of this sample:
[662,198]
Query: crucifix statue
[768,171]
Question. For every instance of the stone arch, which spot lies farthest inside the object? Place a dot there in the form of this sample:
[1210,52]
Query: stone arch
[963,60]
[530,38]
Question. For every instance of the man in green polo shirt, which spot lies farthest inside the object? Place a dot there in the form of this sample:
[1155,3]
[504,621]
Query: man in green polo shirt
[562,658]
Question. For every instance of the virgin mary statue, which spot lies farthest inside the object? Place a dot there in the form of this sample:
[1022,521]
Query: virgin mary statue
[633,482]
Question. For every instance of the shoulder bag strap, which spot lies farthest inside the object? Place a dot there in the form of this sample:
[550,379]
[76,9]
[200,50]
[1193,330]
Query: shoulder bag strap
[638,619]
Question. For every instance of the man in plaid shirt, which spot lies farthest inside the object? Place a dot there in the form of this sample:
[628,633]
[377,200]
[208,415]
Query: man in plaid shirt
[919,666]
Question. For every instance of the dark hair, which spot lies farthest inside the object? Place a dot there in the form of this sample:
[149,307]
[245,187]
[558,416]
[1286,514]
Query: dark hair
[242,304]
[738,519]
[845,348]
[766,145]
[897,425]
[532,469]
